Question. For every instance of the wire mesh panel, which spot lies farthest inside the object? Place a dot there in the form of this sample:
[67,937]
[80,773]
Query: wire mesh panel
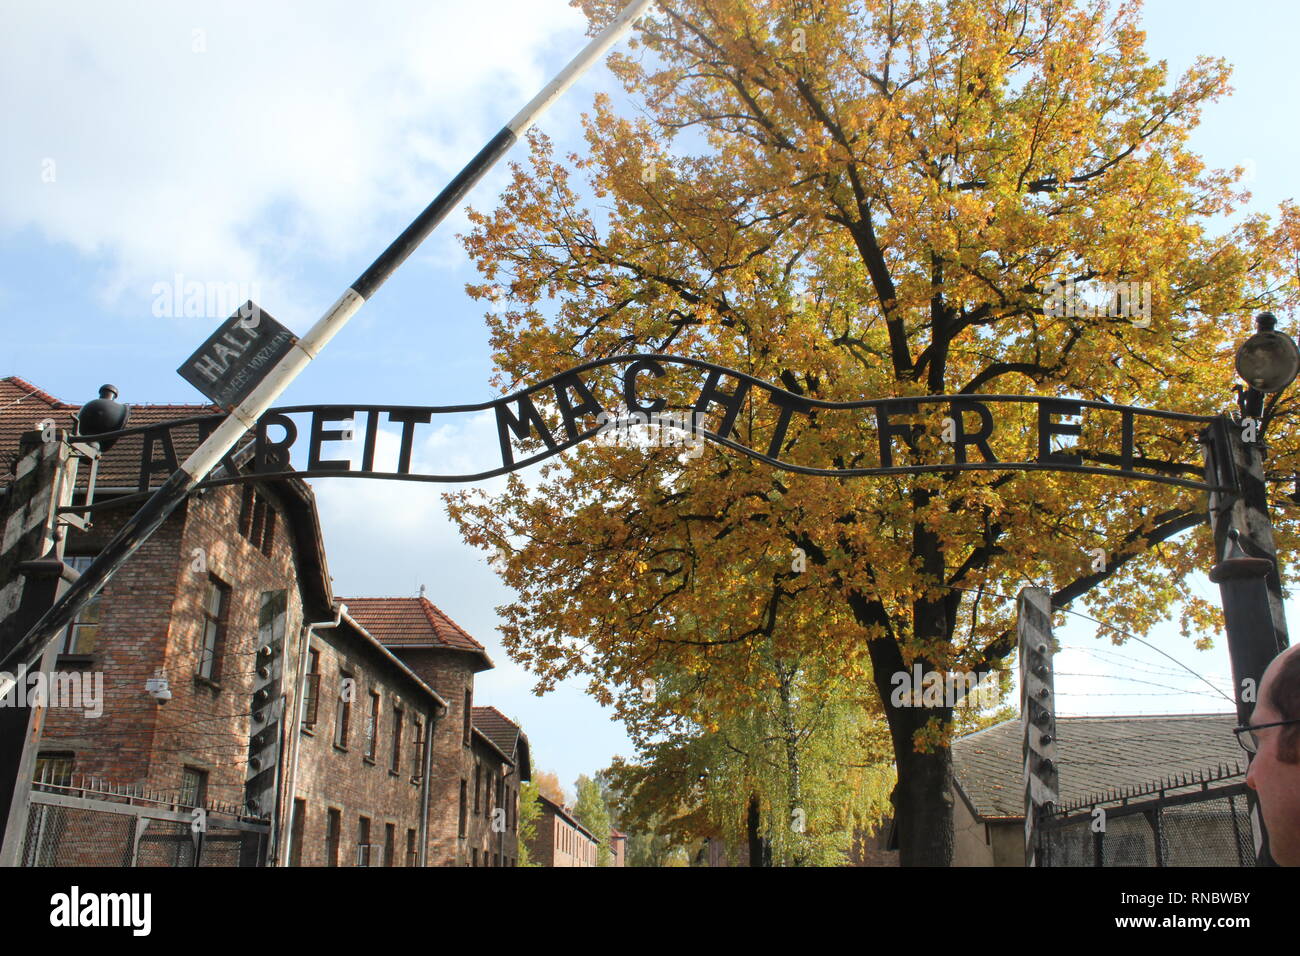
[1068,845]
[71,836]
[1210,827]
[83,831]
[167,843]
[222,847]
[1211,833]
[1128,841]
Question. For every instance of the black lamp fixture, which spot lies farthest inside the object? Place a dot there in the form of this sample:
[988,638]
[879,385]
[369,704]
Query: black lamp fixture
[102,415]
[1268,361]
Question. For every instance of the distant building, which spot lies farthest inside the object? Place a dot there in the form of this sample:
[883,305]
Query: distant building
[617,848]
[511,744]
[560,839]
[1097,757]
[359,775]
[471,769]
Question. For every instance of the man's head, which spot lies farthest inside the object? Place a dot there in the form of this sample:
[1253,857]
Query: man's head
[1275,771]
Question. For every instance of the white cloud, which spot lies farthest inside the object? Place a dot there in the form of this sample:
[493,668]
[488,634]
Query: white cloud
[389,537]
[220,139]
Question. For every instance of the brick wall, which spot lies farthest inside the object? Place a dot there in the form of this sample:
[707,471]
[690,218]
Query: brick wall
[451,674]
[151,618]
[342,778]
[558,842]
[484,845]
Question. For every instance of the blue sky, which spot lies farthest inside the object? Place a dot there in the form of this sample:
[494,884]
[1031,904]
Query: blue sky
[280,145]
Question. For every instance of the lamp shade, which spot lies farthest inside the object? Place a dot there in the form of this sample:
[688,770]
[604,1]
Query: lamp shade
[1268,361]
[102,415]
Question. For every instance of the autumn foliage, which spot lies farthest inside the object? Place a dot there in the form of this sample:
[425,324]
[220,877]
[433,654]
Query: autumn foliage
[860,200]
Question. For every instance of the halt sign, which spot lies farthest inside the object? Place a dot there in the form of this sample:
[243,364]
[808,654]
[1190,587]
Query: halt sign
[237,356]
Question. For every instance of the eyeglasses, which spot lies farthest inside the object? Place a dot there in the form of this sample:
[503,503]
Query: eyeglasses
[1246,735]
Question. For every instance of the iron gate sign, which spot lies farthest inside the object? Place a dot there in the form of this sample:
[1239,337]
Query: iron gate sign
[543,420]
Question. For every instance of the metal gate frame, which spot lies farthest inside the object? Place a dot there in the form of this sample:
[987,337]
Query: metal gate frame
[144,815]
[1052,822]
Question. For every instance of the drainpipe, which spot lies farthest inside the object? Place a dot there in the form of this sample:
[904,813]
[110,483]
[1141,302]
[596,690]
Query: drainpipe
[423,858]
[303,656]
[501,837]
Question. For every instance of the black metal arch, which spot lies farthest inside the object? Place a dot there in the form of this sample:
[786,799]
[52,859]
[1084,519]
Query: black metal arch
[724,389]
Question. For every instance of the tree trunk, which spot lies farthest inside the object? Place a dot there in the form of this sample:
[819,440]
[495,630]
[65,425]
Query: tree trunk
[759,853]
[922,801]
[790,737]
[922,797]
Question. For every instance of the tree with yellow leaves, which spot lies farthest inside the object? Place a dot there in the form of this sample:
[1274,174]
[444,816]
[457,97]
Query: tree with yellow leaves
[862,200]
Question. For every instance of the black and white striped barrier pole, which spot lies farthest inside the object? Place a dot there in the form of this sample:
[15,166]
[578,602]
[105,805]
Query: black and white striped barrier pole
[173,491]
[1037,711]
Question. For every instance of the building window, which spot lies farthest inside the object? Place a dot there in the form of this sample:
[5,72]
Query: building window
[390,843]
[417,760]
[469,701]
[412,857]
[257,520]
[474,856]
[53,768]
[268,532]
[216,602]
[464,807]
[478,786]
[311,691]
[333,836]
[363,841]
[194,787]
[343,718]
[372,726]
[397,740]
[83,633]
[296,830]
[246,504]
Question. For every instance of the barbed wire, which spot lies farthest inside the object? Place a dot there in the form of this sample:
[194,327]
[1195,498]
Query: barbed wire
[1127,634]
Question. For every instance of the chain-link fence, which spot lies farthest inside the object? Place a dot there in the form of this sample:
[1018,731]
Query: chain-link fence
[76,827]
[1209,826]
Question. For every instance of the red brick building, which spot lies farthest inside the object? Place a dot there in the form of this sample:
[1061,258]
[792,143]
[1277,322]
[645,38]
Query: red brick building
[508,763]
[482,758]
[560,839]
[617,848]
[370,742]
[187,607]
[357,772]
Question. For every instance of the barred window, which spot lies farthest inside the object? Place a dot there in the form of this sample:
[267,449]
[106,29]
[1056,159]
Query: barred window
[53,768]
[311,691]
[194,787]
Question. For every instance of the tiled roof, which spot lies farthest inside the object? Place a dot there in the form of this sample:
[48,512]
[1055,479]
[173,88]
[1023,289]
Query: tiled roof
[23,406]
[497,727]
[411,622]
[492,745]
[508,737]
[1094,754]
[568,816]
